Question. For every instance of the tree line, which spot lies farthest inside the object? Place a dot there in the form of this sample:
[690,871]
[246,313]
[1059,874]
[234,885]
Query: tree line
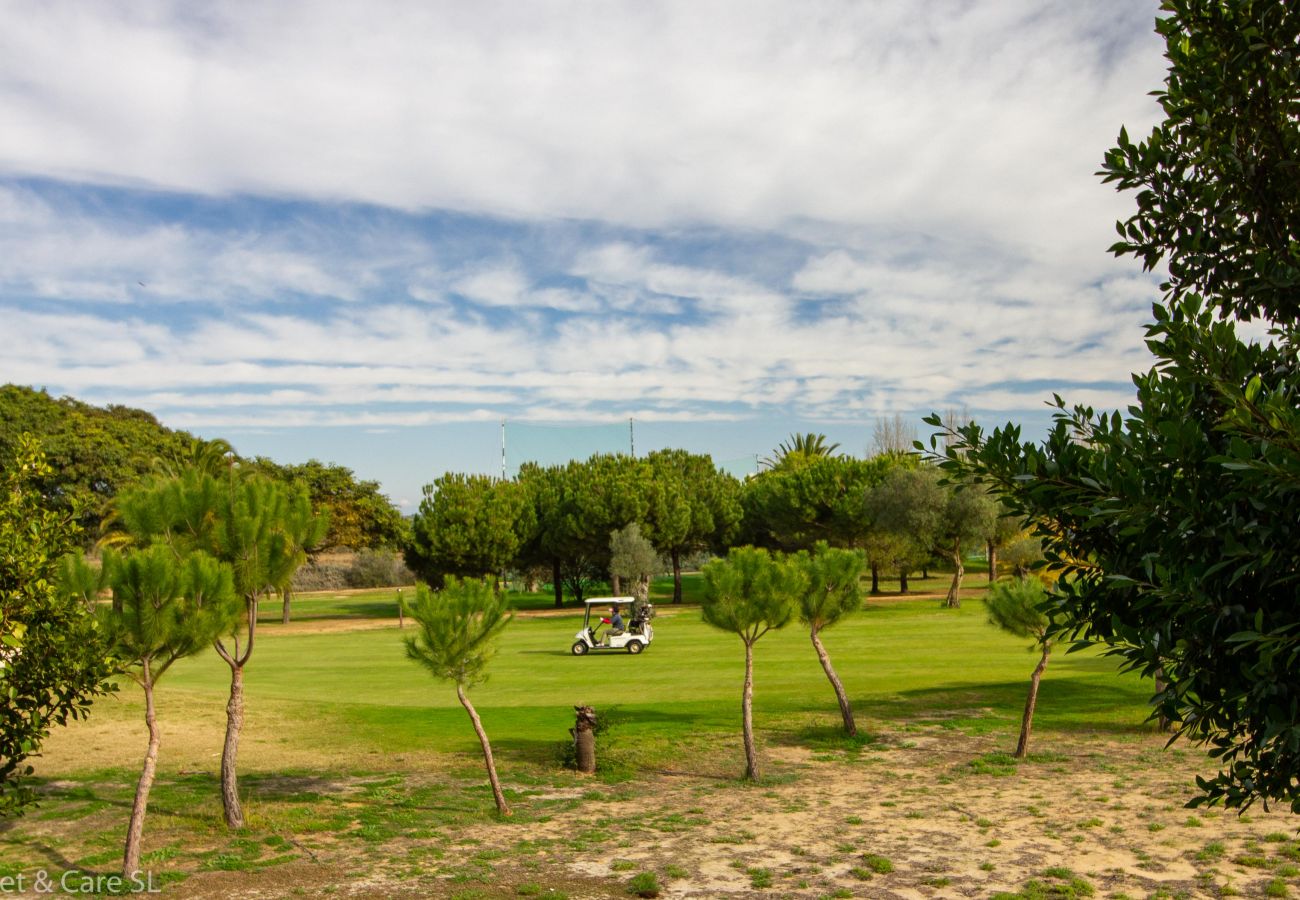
[555,522]
[95,453]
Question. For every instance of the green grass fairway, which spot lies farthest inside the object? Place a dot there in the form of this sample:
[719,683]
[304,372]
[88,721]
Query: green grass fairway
[900,661]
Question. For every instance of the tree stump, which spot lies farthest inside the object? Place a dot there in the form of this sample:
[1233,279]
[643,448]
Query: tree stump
[584,739]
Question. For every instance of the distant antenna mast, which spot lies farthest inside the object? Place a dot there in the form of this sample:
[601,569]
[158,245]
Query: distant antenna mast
[631,437]
[503,449]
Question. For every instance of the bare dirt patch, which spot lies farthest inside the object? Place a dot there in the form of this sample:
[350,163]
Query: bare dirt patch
[922,812]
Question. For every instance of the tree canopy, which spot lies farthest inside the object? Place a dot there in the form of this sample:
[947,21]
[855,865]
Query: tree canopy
[53,660]
[1175,525]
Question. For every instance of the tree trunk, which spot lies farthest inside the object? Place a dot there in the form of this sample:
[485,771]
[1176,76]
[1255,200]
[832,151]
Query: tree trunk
[135,831]
[677,576]
[285,597]
[747,715]
[993,562]
[487,751]
[557,583]
[616,585]
[902,581]
[846,711]
[230,752]
[954,598]
[584,739]
[1030,702]
[875,579]
[1161,687]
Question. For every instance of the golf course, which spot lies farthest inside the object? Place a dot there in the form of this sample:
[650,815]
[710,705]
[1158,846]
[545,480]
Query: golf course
[361,775]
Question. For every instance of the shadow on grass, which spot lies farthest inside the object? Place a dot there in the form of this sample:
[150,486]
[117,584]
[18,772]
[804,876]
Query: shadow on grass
[1064,704]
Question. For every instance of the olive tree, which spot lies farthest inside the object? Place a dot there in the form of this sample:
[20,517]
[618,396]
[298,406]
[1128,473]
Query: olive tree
[749,593]
[458,628]
[631,557]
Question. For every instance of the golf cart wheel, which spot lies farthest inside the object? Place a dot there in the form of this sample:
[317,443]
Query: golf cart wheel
[635,646]
[579,648]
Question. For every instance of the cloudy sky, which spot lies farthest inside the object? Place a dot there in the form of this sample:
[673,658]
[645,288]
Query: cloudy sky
[369,232]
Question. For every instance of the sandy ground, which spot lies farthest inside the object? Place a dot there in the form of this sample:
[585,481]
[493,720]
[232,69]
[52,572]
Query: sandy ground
[1110,812]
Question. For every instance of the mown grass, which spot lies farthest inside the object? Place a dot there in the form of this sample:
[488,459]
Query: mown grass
[901,661]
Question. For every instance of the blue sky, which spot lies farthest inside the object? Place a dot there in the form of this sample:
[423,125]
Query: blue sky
[370,233]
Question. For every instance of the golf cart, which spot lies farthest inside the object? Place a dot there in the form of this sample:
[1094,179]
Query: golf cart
[636,634]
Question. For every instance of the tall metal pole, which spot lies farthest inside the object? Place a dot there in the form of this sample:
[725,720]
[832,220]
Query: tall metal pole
[503,449]
[631,437]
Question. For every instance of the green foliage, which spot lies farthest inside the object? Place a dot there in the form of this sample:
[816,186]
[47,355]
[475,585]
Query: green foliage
[630,555]
[645,884]
[468,525]
[1015,606]
[93,453]
[751,592]
[817,498]
[166,608]
[832,585]
[458,628]
[53,659]
[692,504]
[360,515]
[799,449]
[1175,526]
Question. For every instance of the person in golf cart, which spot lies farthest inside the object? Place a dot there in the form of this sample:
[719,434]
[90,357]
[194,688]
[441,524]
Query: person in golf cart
[615,621]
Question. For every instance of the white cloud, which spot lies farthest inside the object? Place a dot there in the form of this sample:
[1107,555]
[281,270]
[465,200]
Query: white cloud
[988,117]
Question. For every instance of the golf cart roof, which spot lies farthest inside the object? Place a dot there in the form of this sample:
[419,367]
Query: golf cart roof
[608,601]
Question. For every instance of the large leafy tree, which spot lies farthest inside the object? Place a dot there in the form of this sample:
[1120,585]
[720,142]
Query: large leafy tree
[1175,525]
[832,589]
[93,452]
[167,608]
[360,515]
[468,525]
[750,593]
[692,505]
[905,510]
[575,508]
[810,499]
[458,628]
[53,660]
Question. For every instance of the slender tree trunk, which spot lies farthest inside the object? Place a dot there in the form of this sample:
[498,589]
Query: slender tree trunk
[677,575]
[875,579]
[616,585]
[747,715]
[230,751]
[902,581]
[557,583]
[285,596]
[1031,701]
[135,831]
[502,808]
[925,571]
[846,711]
[993,562]
[954,598]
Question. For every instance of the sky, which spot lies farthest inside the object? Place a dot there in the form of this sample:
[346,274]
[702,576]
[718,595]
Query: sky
[371,233]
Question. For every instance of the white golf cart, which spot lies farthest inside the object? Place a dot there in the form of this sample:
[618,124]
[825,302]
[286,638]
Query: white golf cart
[636,634]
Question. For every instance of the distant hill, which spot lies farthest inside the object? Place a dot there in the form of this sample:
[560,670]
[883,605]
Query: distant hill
[95,452]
